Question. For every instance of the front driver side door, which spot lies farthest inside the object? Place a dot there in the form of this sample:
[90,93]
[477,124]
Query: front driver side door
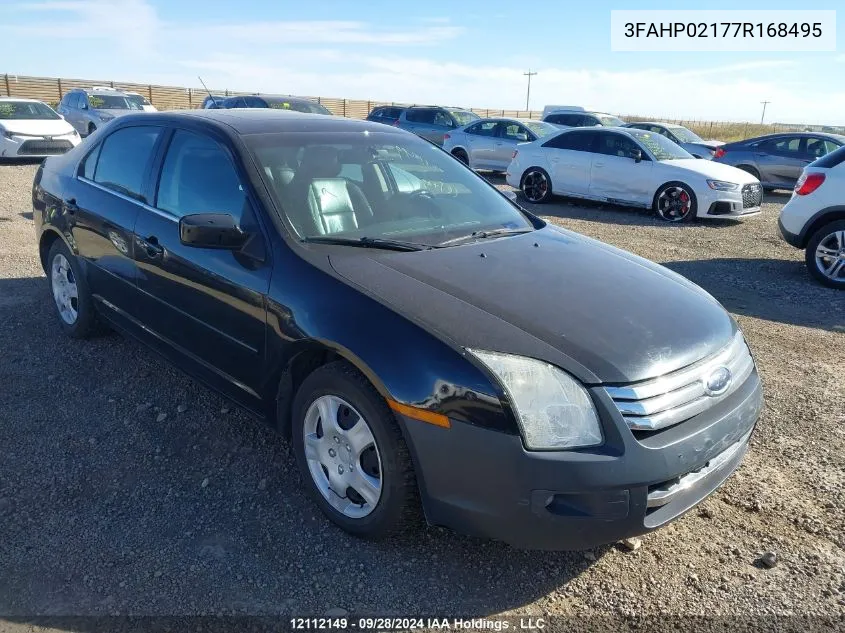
[204,305]
[510,133]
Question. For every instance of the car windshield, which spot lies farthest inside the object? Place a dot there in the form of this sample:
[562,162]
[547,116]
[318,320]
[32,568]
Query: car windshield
[684,135]
[26,110]
[137,100]
[610,120]
[378,186]
[464,117]
[660,146]
[298,105]
[112,102]
[541,128]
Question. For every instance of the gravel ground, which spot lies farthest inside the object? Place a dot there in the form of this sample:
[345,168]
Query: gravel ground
[115,501]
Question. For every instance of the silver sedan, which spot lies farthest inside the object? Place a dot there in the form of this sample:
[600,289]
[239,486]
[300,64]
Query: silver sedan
[490,143]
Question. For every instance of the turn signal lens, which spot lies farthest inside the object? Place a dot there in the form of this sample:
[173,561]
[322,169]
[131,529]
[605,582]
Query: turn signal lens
[515,152]
[808,183]
[446,137]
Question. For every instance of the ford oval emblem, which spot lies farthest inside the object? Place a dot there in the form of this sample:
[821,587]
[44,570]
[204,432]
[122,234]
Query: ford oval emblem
[718,381]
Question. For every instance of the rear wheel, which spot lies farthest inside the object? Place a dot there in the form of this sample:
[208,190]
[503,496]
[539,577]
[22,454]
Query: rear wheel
[749,170]
[675,202]
[825,254]
[536,185]
[461,155]
[72,299]
[351,453]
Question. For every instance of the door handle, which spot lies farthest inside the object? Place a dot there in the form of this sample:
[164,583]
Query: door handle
[598,164]
[70,206]
[151,245]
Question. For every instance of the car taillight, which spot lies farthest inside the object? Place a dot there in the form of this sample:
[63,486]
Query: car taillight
[396,123]
[719,153]
[515,152]
[447,137]
[808,183]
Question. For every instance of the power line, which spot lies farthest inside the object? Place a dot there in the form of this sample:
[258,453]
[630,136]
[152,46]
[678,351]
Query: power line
[529,74]
[765,103]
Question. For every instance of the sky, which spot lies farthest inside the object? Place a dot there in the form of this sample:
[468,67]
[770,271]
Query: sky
[469,53]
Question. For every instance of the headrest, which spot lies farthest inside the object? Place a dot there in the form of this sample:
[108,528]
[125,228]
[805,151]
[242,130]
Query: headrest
[320,161]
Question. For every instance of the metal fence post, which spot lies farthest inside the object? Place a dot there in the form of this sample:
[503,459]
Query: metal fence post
[8,91]
[150,91]
[59,83]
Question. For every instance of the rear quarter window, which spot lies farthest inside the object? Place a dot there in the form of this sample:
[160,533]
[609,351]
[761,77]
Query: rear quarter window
[833,159]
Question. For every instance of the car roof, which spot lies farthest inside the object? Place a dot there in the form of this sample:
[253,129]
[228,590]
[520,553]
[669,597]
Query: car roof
[20,99]
[246,121]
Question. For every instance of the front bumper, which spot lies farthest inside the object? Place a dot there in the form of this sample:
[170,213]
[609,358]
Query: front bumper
[729,204]
[485,483]
[36,146]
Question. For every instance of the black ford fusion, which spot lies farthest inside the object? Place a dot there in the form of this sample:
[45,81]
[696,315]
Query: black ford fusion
[421,339]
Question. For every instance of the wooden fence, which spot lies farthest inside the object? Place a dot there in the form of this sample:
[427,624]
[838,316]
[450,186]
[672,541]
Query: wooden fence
[51,89]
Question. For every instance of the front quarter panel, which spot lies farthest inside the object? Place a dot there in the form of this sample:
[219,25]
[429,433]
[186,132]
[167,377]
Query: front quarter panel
[310,306]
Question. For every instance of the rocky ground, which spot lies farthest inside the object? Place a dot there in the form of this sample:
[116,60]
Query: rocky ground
[127,488]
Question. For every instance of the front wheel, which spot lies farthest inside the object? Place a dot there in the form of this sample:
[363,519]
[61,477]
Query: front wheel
[536,185]
[461,155]
[351,453]
[91,129]
[825,255]
[675,202]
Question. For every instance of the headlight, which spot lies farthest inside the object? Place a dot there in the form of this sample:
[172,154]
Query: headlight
[722,185]
[553,409]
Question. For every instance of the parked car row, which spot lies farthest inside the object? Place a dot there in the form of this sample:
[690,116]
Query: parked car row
[344,280]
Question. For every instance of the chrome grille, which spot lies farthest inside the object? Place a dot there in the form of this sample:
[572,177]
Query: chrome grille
[752,195]
[668,400]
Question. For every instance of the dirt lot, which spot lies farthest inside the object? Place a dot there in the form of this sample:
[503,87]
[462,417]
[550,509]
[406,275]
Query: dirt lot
[112,501]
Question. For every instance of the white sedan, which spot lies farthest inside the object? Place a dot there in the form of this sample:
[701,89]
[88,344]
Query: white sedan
[490,143]
[636,168]
[32,129]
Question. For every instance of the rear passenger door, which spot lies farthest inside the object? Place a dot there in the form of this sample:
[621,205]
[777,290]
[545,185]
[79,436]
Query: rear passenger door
[111,187]
[204,306]
[570,160]
[616,176]
[781,160]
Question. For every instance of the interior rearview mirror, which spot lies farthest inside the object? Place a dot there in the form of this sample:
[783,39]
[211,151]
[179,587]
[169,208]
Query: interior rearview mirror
[211,230]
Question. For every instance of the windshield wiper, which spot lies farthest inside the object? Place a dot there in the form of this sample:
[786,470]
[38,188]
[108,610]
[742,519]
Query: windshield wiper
[369,242]
[480,235]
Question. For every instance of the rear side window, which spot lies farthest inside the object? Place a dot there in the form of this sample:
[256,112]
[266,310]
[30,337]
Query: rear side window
[577,141]
[198,177]
[831,160]
[421,115]
[124,156]
[86,169]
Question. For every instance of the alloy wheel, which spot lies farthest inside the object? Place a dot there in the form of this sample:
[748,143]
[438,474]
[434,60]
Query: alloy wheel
[830,256]
[65,291]
[342,456]
[674,204]
[535,186]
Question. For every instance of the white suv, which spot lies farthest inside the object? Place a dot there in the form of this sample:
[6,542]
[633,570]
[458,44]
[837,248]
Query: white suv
[814,218]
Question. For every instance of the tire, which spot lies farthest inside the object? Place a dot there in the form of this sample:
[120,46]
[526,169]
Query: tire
[461,155]
[91,129]
[340,388]
[827,266]
[675,202]
[536,185]
[749,170]
[75,313]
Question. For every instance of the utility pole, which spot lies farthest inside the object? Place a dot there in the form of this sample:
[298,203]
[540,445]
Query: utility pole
[765,103]
[529,74]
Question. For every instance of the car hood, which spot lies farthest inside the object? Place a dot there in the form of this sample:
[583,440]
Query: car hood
[713,170]
[33,127]
[115,111]
[605,315]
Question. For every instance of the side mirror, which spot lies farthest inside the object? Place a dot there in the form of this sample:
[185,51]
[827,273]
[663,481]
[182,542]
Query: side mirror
[637,155]
[211,230]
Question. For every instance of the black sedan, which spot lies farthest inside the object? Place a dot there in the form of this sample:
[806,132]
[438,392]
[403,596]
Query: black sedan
[420,339]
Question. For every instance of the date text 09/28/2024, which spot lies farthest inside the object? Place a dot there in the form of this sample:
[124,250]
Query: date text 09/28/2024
[723,29]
